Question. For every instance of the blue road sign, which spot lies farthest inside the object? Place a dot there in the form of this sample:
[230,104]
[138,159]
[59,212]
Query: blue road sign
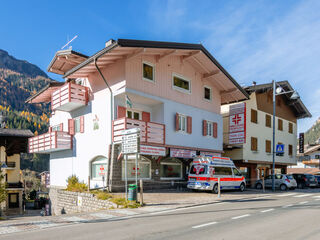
[280,148]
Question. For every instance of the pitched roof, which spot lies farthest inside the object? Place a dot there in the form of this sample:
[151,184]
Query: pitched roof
[4,132]
[43,95]
[297,106]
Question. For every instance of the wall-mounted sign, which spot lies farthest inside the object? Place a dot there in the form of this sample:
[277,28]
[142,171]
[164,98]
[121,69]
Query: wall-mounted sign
[102,170]
[210,154]
[95,122]
[237,123]
[151,150]
[182,153]
[301,143]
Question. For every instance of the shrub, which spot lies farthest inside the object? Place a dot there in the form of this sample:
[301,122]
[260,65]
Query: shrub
[74,185]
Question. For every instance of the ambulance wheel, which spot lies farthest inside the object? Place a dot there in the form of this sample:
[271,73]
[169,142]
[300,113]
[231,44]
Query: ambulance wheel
[215,189]
[242,187]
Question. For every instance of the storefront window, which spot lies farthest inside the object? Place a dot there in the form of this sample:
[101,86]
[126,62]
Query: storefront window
[98,168]
[144,168]
[171,169]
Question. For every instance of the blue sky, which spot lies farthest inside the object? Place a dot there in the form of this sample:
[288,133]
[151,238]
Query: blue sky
[254,40]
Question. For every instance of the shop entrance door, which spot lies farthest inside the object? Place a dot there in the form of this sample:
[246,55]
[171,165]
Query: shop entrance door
[13,200]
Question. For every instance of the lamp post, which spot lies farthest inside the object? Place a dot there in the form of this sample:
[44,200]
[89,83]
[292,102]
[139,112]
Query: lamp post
[275,92]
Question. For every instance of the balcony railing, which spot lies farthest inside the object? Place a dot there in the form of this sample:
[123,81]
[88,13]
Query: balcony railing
[14,185]
[150,132]
[11,165]
[50,142]
[69,97]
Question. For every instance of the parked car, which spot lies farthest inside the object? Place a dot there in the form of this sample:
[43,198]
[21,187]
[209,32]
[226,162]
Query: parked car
[282,181]
[318,180]
[305,180]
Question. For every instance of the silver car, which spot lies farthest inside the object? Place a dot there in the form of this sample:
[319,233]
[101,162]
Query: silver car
[282,181]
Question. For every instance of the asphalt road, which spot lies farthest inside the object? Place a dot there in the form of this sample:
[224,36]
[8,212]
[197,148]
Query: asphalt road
[289,215]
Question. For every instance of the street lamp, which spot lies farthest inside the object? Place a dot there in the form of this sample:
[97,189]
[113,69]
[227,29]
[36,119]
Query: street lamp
[277,91]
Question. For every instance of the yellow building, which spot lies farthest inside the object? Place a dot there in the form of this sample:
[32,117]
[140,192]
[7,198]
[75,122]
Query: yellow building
[12,143]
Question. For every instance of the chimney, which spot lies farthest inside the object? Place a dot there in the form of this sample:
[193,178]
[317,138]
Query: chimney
[109,42]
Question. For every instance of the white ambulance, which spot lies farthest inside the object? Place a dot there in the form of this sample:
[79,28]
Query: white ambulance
[205,171]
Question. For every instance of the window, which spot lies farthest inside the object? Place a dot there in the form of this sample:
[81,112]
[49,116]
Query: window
[268,120]
[290,127]
[268,146]
[254,116]
[222,171]
[236,172]
[77,125]
[181,84]
[199,169]
[144,168]
[209,128]
[207,93]
[254,144]
[133,114]
[171,169]
[280,124]
[57,128]
[290,149]
[98,168]
[148,71]
[182,123]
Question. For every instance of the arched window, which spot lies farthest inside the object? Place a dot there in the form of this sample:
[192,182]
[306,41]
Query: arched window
[170,169]
[98,168]
[144,168]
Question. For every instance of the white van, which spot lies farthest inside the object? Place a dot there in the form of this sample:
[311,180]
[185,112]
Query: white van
[205,171]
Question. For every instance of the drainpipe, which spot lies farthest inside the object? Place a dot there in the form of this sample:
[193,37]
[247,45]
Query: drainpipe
[112,108]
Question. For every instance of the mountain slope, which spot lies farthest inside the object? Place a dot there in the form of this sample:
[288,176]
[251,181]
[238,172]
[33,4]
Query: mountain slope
[313,134]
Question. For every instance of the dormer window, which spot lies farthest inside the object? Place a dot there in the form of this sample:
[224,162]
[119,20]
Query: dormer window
[148,71]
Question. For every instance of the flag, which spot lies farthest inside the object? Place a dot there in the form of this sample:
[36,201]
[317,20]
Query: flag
[128,102]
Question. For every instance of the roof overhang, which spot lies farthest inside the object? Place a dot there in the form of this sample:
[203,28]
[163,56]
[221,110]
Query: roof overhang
[44,95]
[64,60]
[297,106]
[195,54]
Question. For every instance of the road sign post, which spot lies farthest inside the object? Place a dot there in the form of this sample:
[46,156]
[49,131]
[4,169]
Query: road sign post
[131,145]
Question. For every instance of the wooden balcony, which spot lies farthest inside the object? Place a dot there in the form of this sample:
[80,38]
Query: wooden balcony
[151,133]
[69,97]
[50,142]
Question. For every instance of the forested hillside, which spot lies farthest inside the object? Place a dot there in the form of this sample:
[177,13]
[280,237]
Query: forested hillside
[313,134]
[19,80]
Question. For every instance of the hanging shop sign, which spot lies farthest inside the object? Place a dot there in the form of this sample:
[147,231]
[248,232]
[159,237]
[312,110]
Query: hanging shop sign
[151,150]
[237,123]
[210,154]
[182,153]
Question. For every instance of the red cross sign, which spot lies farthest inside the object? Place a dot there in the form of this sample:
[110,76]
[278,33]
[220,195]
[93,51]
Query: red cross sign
[236,119]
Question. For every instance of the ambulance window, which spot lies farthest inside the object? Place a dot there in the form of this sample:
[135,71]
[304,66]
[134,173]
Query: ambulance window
[236,172]
[198,169]
[223,171]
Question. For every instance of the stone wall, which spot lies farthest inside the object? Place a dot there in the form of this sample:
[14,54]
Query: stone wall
[65,202]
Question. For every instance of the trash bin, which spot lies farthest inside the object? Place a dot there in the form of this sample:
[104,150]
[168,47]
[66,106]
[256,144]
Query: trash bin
[132,193]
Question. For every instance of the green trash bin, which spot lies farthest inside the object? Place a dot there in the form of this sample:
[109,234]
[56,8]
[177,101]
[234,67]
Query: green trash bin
[132,193]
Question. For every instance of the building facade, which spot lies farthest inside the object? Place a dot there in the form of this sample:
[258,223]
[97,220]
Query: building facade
[254,156]
[12,143]
[172,92]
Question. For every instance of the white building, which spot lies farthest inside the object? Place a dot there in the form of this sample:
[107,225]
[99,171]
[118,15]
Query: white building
[176,90]
[254,156]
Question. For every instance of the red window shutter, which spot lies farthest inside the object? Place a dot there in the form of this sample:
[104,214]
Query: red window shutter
[121,112]
[82,124]
[215,130]
[204,127]
[71,126]
[177,121]
[50,129]
[61,127]
[146,116]
[189,124]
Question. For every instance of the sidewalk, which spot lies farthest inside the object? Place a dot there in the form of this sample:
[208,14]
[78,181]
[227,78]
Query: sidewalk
[155,202]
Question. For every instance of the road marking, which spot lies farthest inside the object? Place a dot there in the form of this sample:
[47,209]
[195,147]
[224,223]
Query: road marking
[286,195]
[242,216]
[316,196]
[205,224]
[286,206]
[318,199]
[262,197]
[267,210]
[303,202]
[303,195]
